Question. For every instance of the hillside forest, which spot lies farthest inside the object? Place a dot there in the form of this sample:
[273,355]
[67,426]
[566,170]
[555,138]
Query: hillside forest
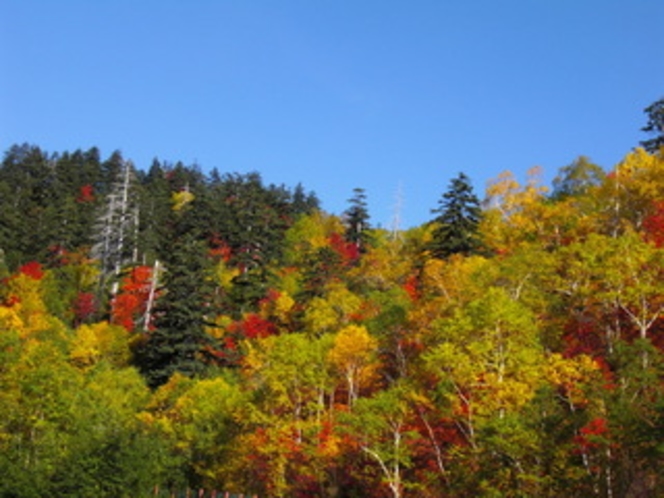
[170,329]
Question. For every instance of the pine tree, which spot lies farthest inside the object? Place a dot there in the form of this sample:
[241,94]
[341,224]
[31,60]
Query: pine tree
[457,220]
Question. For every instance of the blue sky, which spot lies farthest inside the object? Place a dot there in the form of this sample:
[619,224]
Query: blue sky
[390,96]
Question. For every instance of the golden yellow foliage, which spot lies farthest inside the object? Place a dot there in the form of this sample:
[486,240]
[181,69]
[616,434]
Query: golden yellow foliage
[354,356]
[180,199]
[99,341]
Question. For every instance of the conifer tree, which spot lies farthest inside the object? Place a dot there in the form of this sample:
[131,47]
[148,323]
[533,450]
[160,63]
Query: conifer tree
[303,203]
[357,220]
[26,204]
[179,341]
[457,220]
[655,112]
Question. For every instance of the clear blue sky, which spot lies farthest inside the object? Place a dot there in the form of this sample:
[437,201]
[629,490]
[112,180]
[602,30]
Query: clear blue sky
[385,95]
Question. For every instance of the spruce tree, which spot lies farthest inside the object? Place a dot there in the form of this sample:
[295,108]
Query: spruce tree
[457,221]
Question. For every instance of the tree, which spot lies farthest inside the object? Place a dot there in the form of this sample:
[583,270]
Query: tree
[117,224]
[357,220]
[353,356]
[179,341]
[457,220]
[655,125]
[379,425]
[289,416]
[26,204]
[577,178]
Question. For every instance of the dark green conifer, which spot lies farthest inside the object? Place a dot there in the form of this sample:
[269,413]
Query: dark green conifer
[357,220]
[179,341]
[655,126]
[457,220]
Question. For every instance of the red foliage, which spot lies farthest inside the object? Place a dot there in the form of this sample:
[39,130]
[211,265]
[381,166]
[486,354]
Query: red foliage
[254,326]
[125,308]
[582,337]
[84,307]
[86,194]
[653,225]
[131,301]
[412,287]
[33,269]
[348,251]
[592,435]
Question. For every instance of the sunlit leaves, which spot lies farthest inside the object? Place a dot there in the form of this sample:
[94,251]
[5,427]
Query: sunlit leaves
[354,357]
[100,341]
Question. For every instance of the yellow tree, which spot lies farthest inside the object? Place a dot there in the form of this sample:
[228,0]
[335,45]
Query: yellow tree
[630,191]
[335,308]
[354,357]
[514,213]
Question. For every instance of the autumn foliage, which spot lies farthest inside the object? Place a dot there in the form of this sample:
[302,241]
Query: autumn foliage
[298,361]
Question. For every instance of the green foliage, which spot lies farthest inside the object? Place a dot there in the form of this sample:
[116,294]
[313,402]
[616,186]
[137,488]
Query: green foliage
[577,178]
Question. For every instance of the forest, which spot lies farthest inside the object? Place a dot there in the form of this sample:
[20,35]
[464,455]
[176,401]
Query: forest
[169,330]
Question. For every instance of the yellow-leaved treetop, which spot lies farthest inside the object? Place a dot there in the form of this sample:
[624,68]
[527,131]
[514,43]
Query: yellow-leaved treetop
[181,199]
[354,357]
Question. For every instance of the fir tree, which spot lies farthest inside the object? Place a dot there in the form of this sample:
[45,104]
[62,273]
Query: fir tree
[179,341]
[457,220]
[357,220]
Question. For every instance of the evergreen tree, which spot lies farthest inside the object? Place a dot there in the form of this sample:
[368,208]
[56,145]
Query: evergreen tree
[655,112]
[27,211]
[457,220]
[75,191]
[357,220]
[179,340]
[154,198]
[303,203]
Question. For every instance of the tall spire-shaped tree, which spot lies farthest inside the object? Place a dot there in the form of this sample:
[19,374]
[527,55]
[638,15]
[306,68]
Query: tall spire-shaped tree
[655,112]
[357,220]
[457,220]
[179,340]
